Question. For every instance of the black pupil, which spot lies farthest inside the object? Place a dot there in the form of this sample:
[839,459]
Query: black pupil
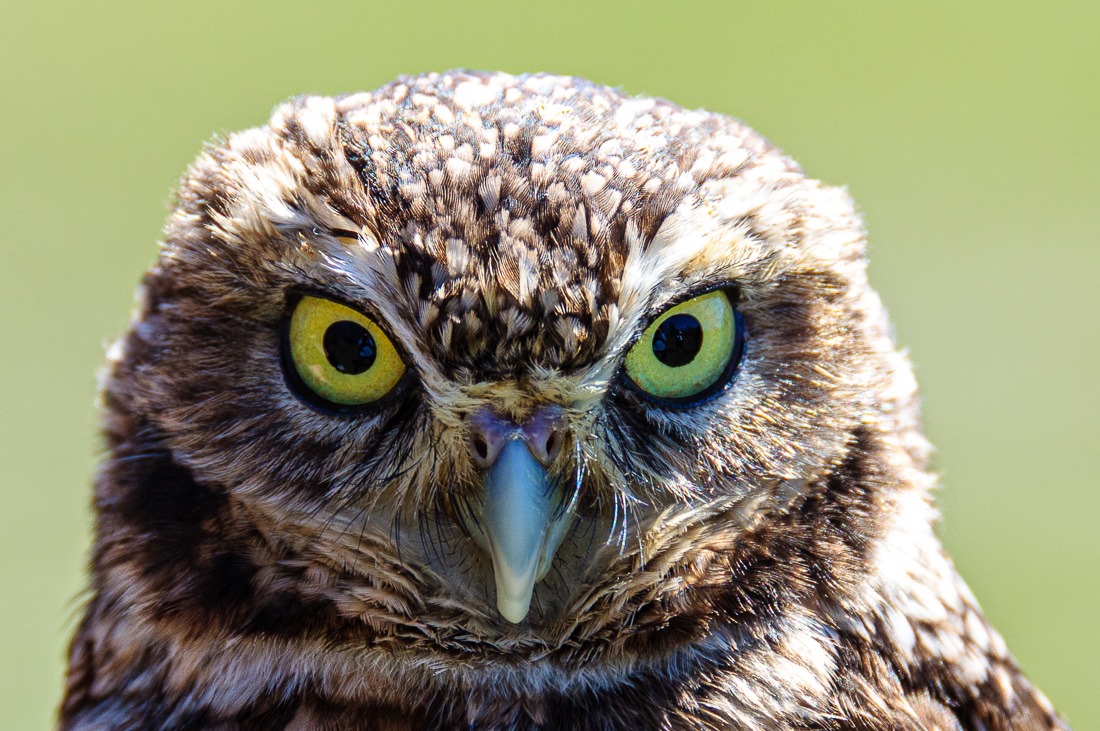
[678,340]
[349,347]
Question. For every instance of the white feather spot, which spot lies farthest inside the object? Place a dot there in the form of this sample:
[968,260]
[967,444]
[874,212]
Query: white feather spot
[457,168]
[592,183]
[470,94]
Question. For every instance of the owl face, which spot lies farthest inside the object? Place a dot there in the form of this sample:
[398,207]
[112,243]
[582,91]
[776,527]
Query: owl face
[511,358]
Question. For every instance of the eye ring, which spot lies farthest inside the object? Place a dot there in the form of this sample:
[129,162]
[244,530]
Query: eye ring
[309,396]
[720,383]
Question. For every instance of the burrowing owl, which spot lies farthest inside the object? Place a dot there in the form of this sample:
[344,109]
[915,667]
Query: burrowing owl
[493,402]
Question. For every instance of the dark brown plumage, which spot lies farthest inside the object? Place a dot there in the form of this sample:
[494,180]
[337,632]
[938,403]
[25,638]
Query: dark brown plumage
[760,559]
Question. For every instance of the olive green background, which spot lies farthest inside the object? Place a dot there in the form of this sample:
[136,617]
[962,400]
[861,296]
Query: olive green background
[968,135]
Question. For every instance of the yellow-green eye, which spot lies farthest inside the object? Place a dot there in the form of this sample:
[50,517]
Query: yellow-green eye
[340,355]
[689,351]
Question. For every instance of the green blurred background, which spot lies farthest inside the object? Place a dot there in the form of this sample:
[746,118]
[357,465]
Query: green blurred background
[968,135]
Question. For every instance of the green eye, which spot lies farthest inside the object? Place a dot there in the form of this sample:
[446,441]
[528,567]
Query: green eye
[339,355]
[689,351]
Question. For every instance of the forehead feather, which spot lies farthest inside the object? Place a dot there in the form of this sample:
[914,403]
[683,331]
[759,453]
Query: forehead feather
[518,212]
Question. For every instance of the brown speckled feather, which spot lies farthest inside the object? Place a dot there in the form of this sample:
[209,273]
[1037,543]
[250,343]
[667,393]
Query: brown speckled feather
[763,559]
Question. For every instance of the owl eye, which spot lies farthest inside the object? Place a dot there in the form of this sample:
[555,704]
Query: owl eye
[689,352]
[339,358]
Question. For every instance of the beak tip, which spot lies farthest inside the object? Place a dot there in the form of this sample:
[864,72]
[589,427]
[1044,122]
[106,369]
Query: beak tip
[513,609]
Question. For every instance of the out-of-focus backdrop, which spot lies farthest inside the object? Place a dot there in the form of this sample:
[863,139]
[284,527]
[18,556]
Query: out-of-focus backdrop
[969,133]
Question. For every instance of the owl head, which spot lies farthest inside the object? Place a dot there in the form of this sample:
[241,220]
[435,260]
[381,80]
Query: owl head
[491,364]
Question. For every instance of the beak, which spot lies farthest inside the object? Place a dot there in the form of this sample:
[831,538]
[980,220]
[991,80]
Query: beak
[522,520]
[525,522]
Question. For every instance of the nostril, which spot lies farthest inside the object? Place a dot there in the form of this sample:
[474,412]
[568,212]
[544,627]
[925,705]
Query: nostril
[481,447]
[486,436]
[553,445]
[480,450]
[489,432]
[544,434]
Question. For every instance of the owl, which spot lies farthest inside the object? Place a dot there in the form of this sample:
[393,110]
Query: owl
[514,402]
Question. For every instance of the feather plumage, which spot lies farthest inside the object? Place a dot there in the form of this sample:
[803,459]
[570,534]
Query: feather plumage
[763,560]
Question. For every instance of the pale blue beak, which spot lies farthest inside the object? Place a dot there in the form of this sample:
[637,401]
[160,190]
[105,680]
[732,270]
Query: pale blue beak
[524,522]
